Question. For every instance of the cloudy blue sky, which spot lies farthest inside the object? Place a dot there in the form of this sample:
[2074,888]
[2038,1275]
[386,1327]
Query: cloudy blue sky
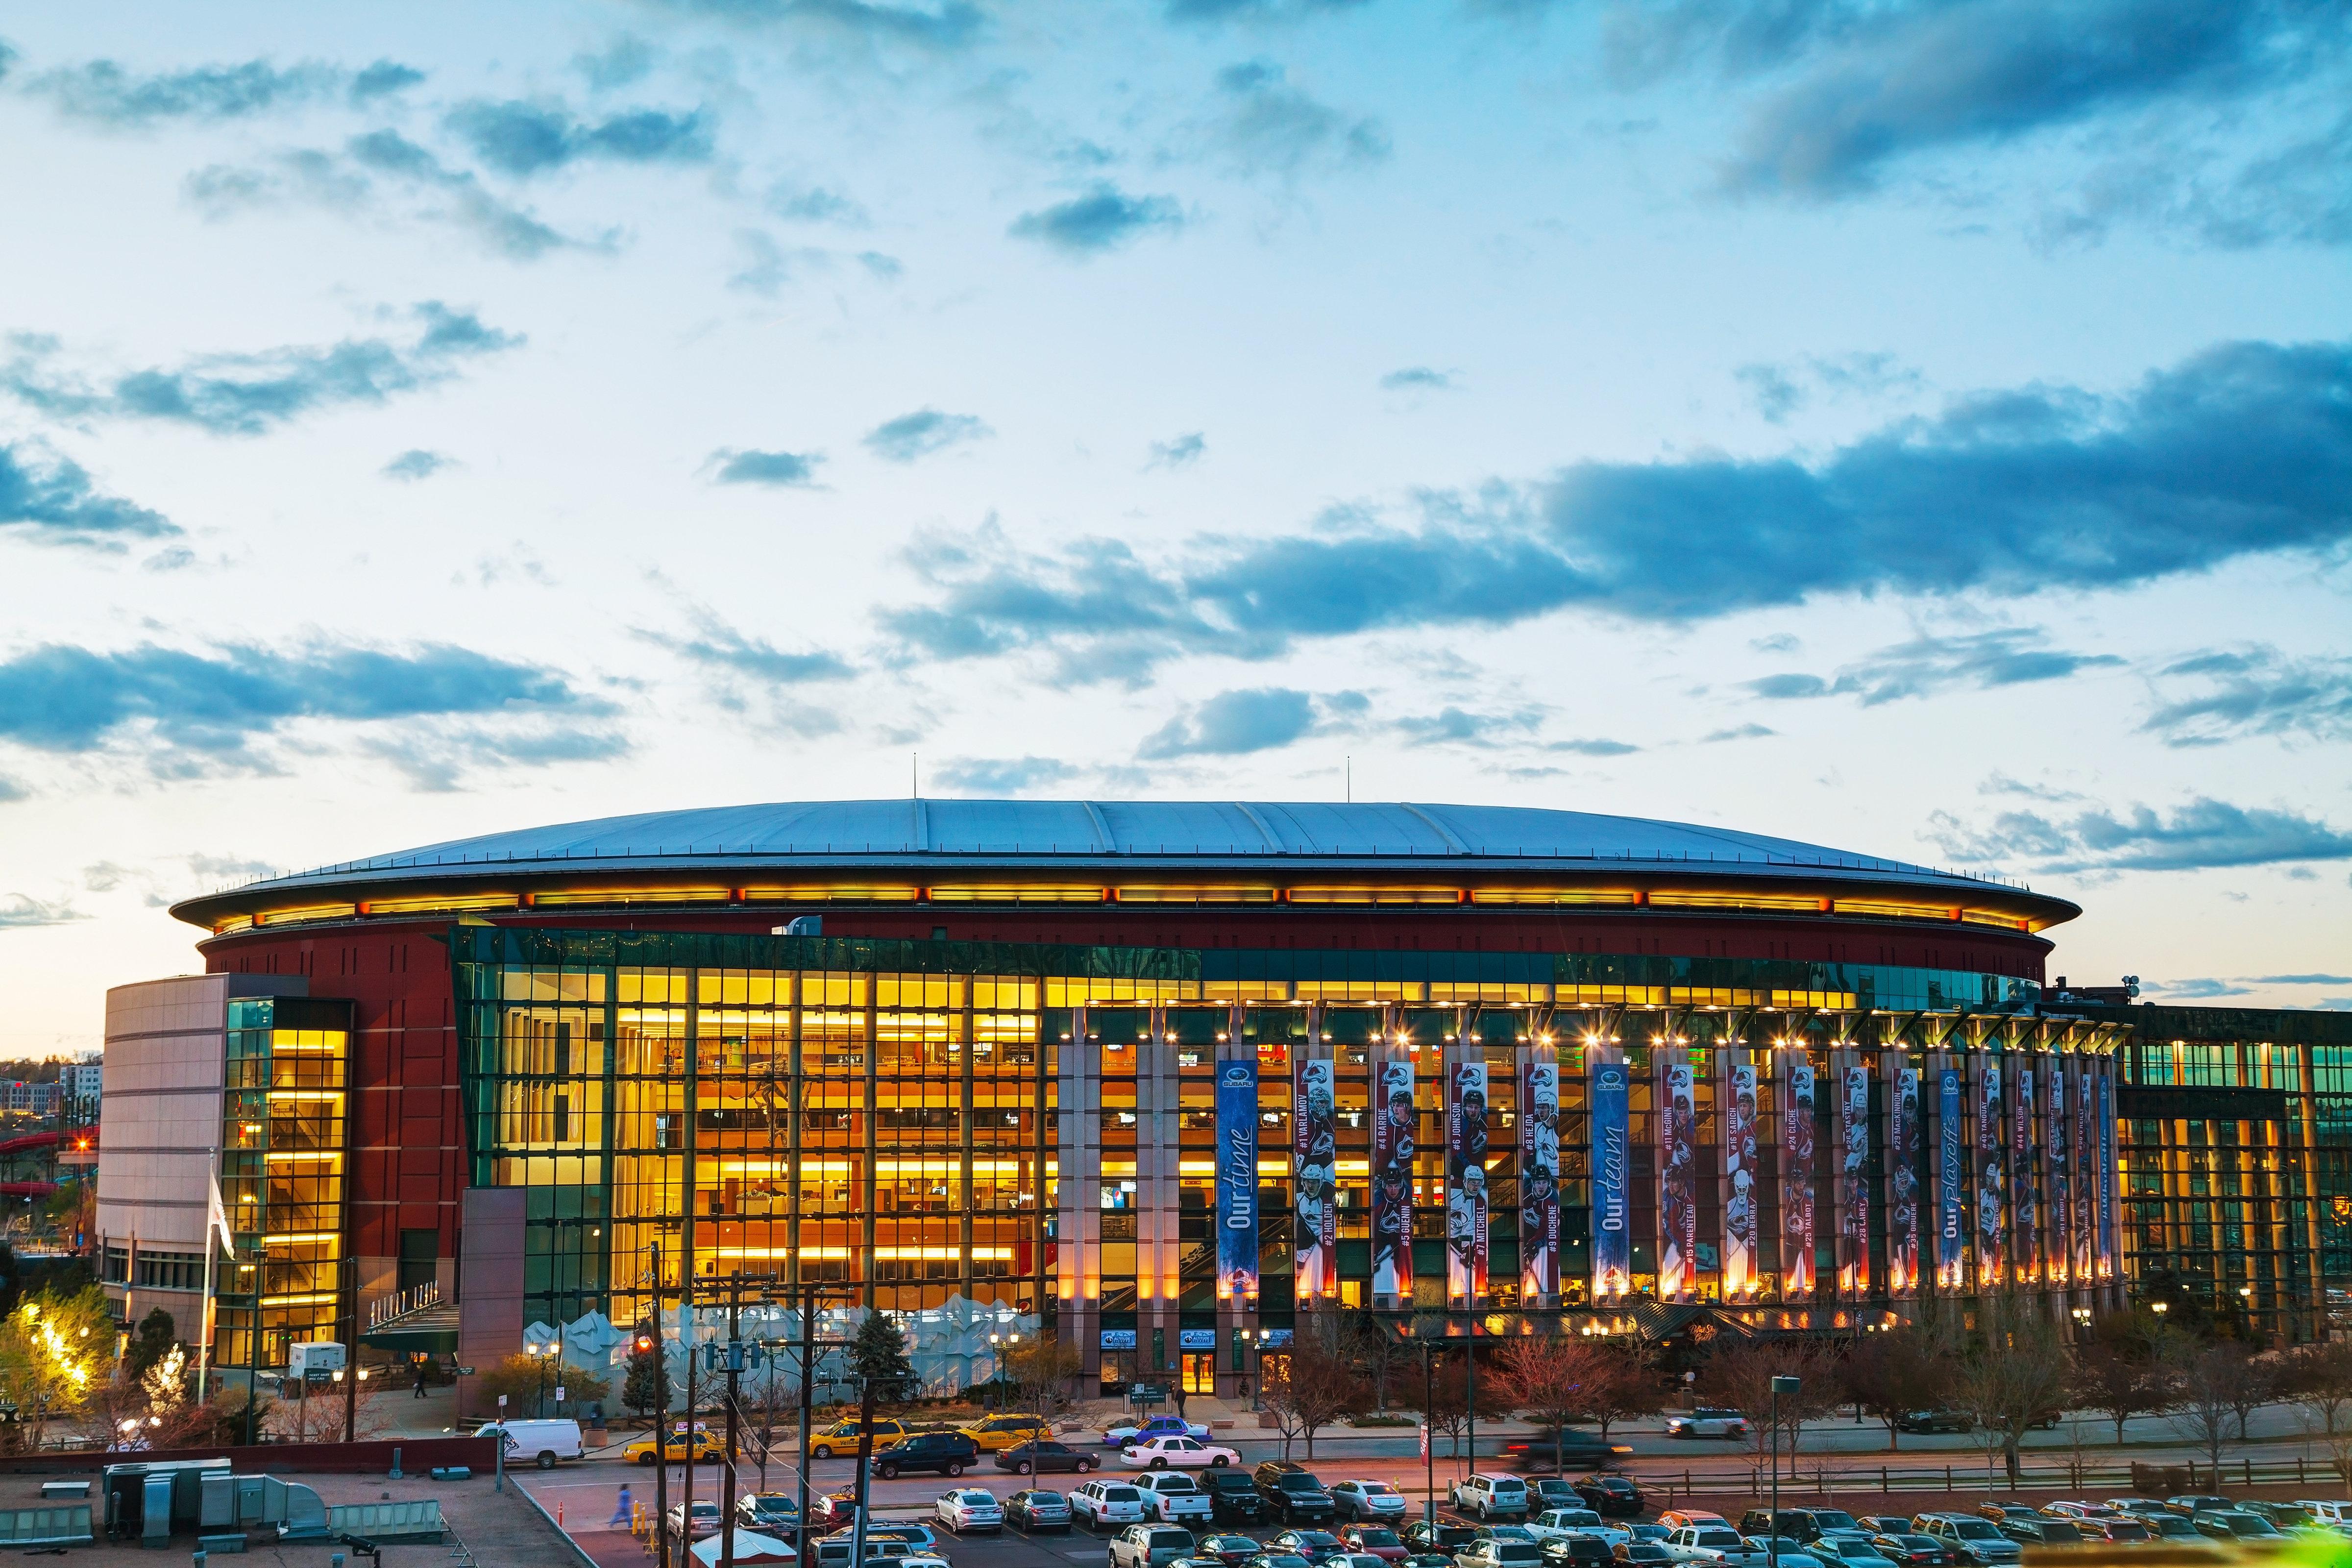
[1923,426]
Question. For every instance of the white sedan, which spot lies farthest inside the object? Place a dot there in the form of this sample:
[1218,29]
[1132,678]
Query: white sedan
[969,1508]
[1119,1434]
[1175,1454]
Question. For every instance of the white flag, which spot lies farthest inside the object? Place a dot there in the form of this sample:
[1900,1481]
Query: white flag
[219,1217]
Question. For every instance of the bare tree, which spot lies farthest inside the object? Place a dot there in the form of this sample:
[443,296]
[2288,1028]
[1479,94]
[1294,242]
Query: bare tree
[1625,1383]
[1552,1380]
[2119,1384]
[1377,1353]
[2318,1379]
[1890,1375]
[2258,1383]
[1450,1402]
[1312,1386]
[2011,1378]
[2207,1398]
[1741,1378]
[1042,1369]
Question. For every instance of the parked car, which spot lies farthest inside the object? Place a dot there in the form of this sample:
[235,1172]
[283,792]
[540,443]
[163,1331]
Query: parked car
[1367,1500]
[1929,1421]
[941,1452]
[1041,1456]
[1354,1560]
[1555,1523]
[1439,1536]
[841,1438]
[1577,1552]
[1642,1553]
[1802,1524]
[1172,1499]
[1852,1548]
[1004,1431]
[1276,1560]
[1655,1535]
[1108,1502]
[1492,1554]
[701,1520]
[771,1513]
[2191,1505]
[1909,1549]
[1119,1434]
[1974,1541]
[1785,1552]
[2236,1523]
[2117,1530]
[1490,1496]
[834,1553]
[2171,1527]
[2285,1515]
[1149,1546]
[1428,1560]
[1036,1509]
[2326,1510]
[1677,1517]
[1233,1497]
[2001,1512]
[1168,1451]
[1229,1549]
[2141,1505]
[1294,1495]
[1885,1523]
[1374,1540]
[1554,1491]
[2064,1510]
[831,1510]
[1315,1545]
[1613,1495]
[1506,1533]
[969,1508]
[1705,1422]
[2038,1532]
[1716,1542]
[541,1442]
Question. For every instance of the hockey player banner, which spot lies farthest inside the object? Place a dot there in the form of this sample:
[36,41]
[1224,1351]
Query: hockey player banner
[2026,1222]
[2106,1110]
[2086,1177]
[1613,1165]
[1540,1175]
[1739,1195]
[1796,1176]
[1393,1148]
[1465,1190]
[1853,1180]
[1314,1154]
[2054,1155]
[1992,1232]
[1903,1186]
[1237,1183]
[1951,1183]
[1678,1184]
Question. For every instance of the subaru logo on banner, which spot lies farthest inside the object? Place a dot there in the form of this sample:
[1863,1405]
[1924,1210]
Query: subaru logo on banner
[1613,1228]
[1237,1182]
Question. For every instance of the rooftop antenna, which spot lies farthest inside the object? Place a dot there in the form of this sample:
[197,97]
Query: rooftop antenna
[914,773]
[1351,779]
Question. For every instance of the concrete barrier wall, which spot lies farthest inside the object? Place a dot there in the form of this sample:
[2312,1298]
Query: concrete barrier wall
[417,1455]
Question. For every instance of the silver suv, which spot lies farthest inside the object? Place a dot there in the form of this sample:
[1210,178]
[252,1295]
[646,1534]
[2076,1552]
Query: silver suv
[1971,1539]
[1493,1496]
[1149,1546]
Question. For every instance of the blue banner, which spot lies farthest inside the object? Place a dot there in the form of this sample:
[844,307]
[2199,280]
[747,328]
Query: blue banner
[1951,1161]
[1613,1212]
[1237,1183]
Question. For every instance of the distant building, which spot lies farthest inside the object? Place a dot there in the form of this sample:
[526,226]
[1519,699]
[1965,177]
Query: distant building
[81,1080]
[40,1098]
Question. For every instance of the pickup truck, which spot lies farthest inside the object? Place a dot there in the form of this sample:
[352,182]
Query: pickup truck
[1712,1543]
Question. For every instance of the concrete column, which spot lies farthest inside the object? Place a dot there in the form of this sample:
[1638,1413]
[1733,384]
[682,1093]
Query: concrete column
[1159,1197]
[1078,1199]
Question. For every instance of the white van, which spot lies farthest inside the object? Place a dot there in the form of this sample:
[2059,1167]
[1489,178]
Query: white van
[542,1442]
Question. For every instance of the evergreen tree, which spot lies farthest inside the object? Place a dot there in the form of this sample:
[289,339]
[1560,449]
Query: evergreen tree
[878,1356]
[639,1391]
[157,1334]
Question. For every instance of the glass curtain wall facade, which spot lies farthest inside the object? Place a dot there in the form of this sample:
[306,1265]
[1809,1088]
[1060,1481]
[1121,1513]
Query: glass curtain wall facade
[285,1153]
[2236,1129]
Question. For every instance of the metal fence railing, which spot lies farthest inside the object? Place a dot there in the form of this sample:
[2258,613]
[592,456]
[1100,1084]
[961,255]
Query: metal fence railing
[2110,1479]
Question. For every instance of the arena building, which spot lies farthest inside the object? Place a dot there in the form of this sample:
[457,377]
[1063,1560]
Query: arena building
[1161,1076]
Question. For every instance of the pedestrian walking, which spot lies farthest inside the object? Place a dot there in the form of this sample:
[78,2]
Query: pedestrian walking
[1180,1402]
[420,1382]
[620,1510]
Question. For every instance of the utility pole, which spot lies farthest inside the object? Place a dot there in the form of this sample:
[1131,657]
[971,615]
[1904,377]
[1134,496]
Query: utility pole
[734,1369]
[661,1425]
[348,1266]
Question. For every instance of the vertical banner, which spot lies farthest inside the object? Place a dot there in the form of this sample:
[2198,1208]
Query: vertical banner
[1951,1182]
[1465,1184]
[2054,1155]
[1739,1195]
[1678,1109]
[2086,1177]
[2107,1110]
[1903,1186]
[1237,1184]
[1393,1126]
[1314,1154]
[1540,1175]
[1612,1166]
[1992,1240]
[2025,1226]
[1854,1181]
[1796,1175]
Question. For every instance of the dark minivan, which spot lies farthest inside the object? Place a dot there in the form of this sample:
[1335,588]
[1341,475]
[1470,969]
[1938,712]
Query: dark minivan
[1233,1496]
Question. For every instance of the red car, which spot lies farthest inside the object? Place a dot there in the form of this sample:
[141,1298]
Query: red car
[1231,1550]
[1375,1540]
[834,1510]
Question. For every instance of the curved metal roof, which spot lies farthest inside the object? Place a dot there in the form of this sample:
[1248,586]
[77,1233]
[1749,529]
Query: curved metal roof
[1084,835]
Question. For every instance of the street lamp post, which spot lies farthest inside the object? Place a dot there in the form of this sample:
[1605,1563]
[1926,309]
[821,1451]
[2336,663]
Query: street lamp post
[1780,1385]
[1428,1427]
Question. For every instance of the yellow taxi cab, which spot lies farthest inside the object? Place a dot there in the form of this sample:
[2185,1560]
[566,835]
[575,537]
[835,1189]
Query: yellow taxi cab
[999,1433]
[675,1447]
[841,1438]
